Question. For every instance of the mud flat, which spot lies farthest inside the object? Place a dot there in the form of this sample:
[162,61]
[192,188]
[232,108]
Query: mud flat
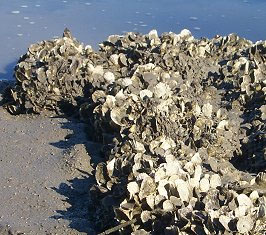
[38,175]
[180,122]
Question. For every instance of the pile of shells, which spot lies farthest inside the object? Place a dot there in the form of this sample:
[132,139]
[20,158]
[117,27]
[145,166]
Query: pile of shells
[180,197]
[159,110]
[245,75]
[172,112]
[52,73]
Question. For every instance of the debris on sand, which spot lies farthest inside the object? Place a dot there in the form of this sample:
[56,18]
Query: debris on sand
[175,116]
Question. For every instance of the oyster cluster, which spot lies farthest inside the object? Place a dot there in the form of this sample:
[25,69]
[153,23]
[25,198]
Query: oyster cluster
[172,112]
[245,77]
[51,75]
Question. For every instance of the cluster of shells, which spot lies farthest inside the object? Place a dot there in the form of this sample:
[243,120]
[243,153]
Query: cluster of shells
[51,75]
[172,112]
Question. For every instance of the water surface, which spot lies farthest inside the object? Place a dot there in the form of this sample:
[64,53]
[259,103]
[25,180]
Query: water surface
[27,21]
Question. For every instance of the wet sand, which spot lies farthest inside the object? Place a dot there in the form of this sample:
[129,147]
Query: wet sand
[41,175]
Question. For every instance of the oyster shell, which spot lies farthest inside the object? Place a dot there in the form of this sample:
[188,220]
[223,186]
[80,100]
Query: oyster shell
[215,181]
[245,224]
[183,189]
[133,188]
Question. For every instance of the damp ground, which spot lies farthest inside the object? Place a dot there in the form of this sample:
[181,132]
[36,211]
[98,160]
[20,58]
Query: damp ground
[42,175]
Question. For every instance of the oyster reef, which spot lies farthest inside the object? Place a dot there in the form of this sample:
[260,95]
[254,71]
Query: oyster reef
[181,121]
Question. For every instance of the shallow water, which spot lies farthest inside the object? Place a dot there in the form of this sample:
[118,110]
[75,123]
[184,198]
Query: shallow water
[25,21]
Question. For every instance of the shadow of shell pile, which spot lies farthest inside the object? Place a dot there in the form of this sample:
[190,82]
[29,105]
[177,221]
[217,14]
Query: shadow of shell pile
[182,122]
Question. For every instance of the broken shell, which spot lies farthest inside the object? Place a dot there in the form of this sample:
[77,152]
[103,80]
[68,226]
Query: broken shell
[98,95]
[215,181]
[183,189]
[204,185]
[122,59]
[263,112]
[153,34]
[148,187]
[168,206]
[160,174]
[158,200]
[254,196]
[261,178]
[145,216]
[196,159]
[133,188]
[198,173]
[207,110]
[117,114]
[145,93]
[162,188]
[189,167]
[225,220]
[140,232]
[244,200]
[173,168]
[150,201]
[101,174]
[176,201]
[168,143]
[109,77]
[262,211]
[245,224]
[114,59]
[162,90]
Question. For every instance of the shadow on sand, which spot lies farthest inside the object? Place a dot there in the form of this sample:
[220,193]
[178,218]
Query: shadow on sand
[77,195]
[76,190]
